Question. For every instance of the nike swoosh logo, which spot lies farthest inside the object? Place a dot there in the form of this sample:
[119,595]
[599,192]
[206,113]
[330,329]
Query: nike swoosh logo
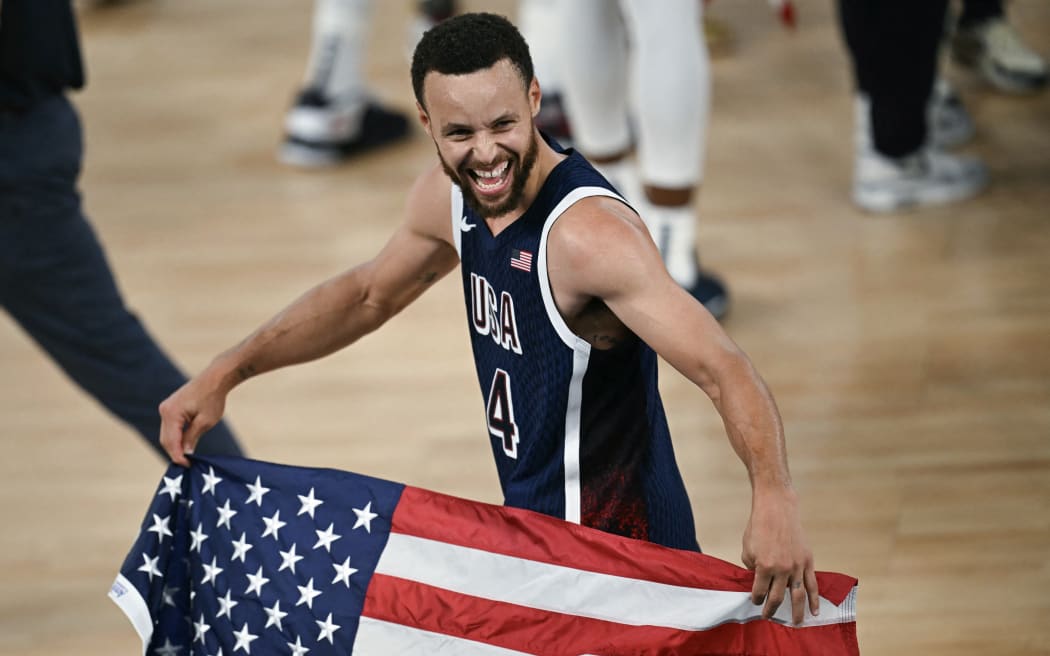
[464,226]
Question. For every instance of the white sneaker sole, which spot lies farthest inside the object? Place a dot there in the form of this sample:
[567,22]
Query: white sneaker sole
[303,156]
[879,199]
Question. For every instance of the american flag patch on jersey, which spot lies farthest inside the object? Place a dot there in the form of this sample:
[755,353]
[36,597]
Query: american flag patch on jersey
[521,260]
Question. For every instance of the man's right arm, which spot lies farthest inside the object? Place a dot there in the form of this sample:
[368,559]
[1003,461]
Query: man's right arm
[329,317]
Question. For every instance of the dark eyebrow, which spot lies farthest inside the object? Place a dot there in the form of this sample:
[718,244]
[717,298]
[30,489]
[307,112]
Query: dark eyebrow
[449,128]
[508,116]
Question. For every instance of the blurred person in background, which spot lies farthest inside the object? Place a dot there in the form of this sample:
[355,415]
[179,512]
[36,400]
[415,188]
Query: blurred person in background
[55,281]
[637,87]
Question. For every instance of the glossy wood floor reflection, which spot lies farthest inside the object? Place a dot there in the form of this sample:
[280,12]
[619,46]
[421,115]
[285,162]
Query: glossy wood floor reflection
[910,353]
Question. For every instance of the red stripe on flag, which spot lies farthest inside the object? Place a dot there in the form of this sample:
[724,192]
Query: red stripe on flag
[525,534]
[536,631]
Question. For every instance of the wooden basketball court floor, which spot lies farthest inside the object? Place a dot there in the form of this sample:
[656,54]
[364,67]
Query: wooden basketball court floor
[910,353]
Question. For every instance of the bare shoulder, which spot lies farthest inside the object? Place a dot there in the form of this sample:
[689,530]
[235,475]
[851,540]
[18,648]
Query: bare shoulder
[599,241]
[429,205]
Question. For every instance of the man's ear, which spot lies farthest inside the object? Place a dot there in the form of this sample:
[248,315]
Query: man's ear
[535,96]
[424,118]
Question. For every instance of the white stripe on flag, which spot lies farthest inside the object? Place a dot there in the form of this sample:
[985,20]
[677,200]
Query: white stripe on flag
[586,594]
[379,638]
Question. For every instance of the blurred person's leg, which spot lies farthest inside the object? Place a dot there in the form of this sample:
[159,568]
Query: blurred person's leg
[594,72]
[56,283]
[894,52]
[665,74]
[334,115]
[671,97]
[538,22]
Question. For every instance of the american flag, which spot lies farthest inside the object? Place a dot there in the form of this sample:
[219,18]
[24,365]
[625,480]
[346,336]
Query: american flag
[240,556]
[520,259]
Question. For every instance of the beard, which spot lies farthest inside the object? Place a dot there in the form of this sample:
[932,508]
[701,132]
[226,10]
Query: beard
[520,168]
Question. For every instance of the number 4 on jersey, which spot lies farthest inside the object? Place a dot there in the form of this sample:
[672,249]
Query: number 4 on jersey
[500,413]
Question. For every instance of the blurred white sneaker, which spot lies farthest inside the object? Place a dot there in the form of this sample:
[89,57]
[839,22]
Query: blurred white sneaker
[995,50]
[927,177]
[320,131]
[948,122]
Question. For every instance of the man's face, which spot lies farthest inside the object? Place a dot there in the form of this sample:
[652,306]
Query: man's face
[482,125]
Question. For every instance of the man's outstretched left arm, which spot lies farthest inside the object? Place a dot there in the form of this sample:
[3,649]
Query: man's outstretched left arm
[603,250]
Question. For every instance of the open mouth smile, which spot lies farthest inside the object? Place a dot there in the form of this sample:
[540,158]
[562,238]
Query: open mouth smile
[491,181]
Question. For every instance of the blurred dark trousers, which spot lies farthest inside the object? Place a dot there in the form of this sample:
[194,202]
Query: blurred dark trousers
[56,283]
[976,11]
[893,45]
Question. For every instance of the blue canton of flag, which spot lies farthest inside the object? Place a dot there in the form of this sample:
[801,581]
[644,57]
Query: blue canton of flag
[244,570]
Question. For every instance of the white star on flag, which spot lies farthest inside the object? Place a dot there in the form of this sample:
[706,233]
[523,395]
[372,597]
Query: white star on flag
[149,566]
[364,517]
[256,582]
[199,629]
[343,572]
[275,615]
[210,481]
[172,487]
[240,549]
[297,648]
[289,559]
[273,524]
[225,515]
[167,649]
[211,572]
[244,639]
[328,629]
[168,596]
[309,502]
[326,537]
[307,594]
[257,492]
[197,538]
[226,604]
[160,526]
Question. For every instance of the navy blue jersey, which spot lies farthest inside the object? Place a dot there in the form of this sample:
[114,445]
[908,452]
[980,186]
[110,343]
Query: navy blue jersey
[577,432]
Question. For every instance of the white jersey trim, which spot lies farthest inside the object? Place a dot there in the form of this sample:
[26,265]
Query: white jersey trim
[555,317]
[581,354]
[457,218]
[573,412]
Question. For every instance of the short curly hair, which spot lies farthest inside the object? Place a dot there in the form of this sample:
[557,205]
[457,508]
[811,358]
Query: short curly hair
[468,43]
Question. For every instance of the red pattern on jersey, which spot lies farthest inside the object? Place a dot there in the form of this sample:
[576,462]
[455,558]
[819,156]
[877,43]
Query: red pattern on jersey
[613,503]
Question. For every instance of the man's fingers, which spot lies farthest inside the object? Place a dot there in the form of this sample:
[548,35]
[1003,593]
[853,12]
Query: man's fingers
[171,436]
[812,591]
[777,589]
[180,432]
[798,598]
[192,434]
[760,587]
